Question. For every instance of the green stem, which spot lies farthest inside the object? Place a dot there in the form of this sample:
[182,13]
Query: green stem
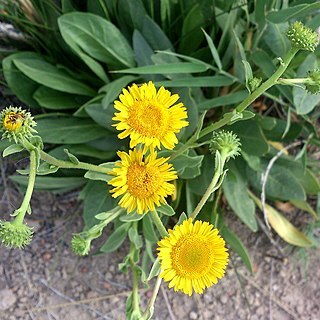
[270,82]
[70,165]
[158,223]
[209,190]
[149,310]
[27,197]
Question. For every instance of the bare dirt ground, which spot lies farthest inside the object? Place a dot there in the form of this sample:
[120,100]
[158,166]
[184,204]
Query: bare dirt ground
[47,281]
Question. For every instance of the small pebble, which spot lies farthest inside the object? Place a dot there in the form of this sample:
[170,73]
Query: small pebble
[193,315]
[7,299]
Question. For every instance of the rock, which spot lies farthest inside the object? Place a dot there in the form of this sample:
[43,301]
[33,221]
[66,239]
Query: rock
[224,299]
[7,299]
[193,315]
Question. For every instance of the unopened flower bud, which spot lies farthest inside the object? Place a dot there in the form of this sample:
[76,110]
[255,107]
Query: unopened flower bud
[80,245]
[313,83]
[302,37]
[15,235]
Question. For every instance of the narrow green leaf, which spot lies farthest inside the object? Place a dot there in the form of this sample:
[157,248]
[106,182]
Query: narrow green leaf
[304,205]
[148,229]
[166,210]
[93,175]
[14,148]
[132,216]
[213,50]
[237,245]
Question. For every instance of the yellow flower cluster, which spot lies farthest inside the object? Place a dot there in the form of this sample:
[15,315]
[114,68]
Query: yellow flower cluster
[151,119]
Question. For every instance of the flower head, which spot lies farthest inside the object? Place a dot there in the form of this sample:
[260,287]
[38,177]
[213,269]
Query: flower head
[193,257]
[227,142]
[149,117]
[313,82]
[15,235]
[142,181]
[302,37]
[15,123]
[80,245]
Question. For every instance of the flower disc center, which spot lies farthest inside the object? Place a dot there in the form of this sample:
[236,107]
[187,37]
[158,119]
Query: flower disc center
[143,181]
[149,118]
[192,256]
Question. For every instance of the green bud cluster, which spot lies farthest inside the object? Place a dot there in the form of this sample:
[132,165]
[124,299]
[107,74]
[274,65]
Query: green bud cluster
[302,37]
[15,235]
[226,142]
[80,244]
[313,82]
[16,123]
[254,83]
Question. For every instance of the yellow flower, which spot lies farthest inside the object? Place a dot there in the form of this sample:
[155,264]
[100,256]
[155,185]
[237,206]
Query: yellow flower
[149,117]
[13,121]
[142,183]
[192,257]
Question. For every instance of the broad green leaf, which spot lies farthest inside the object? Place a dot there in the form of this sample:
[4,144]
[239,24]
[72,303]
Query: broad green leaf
[96,198]
[71,130]
[93,175]
[283,227]
[168,68]
[300,10]
[213,50]
[251,137]
[282,183]
[275,38]
[148,229]
[166,210]
[116,238]
[309,182]
[135,238]
[305,206]
[304,101]
[226,100]
[56,100]
[14,148]
[237,245]
[51,183]
[208,81]
[97,37]
[235,190]
[14,78]
[50,76]
[102,116]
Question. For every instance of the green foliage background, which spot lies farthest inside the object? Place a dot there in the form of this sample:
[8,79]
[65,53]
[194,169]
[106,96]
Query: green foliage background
[78,55]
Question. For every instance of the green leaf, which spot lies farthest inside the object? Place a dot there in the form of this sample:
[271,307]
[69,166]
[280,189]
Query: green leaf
[187,167]
[93,175]
[208,81]
[14,148]
[309,182]
[71,130]
[155,269]
[281,183]
[166,210]
[167,68]
[96,198]
[89,151]
[14,77]
[286,14]
[213,50]
[283,227]
[51,183]
[235,190]
[226,100]
[101,116]
[148,229]
[251,136]
[304,101]
[71,157]
[135,238]
[248,73]
[50,76]
[182,218]
[56,100]
[132,216]
[97,37]
[116,239]
[305,206]
[275,38]
[237,245]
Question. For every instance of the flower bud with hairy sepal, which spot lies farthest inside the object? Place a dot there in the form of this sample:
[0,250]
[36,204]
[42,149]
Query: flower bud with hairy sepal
[15,235]
[226,142]
[80,245]
[313,82]
[16,123]
[302,37]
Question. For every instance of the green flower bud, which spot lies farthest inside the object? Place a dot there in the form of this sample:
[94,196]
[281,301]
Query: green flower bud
[254,83]
[313,82]
[16,123]
[302,37]
[80,245]
[15,235]
[226,142]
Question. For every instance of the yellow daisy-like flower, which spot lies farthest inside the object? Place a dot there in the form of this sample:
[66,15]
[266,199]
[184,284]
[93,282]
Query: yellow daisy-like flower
[142,183]
[192,257]
[149,117]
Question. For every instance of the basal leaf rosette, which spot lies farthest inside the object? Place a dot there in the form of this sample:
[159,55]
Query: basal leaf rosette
[16,123]
[142,181]
[149,117]
[193,257]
